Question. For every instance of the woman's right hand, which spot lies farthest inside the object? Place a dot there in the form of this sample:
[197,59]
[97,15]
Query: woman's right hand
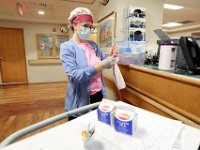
[106,63]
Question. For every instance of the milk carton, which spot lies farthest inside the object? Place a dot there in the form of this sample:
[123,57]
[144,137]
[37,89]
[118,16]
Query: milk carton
[105,111]
[125,120]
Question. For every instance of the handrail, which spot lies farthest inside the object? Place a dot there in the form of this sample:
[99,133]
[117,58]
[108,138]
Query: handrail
[13,137]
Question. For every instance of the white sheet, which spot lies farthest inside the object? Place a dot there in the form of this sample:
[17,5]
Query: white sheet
[154,132]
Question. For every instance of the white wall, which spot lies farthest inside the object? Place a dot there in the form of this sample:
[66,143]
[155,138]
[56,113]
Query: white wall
[37,73]
[154,17]
[154,12]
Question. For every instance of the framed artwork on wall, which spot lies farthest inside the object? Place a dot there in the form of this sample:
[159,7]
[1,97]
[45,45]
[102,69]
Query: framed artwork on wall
[59,39]
[107,32]
[48,46]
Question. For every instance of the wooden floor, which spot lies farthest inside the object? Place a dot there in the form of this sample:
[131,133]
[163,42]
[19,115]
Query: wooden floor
[24,105]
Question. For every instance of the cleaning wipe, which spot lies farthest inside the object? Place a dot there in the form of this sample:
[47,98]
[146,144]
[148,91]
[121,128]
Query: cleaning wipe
[105,111]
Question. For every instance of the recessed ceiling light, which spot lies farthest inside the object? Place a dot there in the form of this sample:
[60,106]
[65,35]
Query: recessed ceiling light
[172,24]
[174,7]
[40,12]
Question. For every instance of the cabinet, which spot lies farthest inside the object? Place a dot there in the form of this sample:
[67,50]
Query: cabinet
[134,24]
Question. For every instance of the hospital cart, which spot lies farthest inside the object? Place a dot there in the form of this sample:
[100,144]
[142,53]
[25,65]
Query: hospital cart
[154,132]
[44,123]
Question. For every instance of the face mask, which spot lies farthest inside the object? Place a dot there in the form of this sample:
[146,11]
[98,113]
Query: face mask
[84,33]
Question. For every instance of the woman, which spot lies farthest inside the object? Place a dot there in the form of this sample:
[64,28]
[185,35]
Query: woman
[83,62]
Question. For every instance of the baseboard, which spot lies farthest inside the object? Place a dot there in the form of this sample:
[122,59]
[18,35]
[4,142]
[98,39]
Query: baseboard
[13,83]
[48,82]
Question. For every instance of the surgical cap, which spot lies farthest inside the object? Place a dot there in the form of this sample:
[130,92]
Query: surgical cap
[79,11]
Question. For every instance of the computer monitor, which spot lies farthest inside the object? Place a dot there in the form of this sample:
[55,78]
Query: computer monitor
[190,47]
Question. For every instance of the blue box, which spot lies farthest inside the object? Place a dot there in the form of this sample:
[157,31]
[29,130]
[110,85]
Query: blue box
[105,111]
[125,121]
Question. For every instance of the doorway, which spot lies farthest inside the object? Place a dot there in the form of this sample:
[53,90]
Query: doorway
[12,56]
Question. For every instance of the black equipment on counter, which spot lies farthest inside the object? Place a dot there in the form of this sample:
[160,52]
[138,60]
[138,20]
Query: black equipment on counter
[190,47]
[188,52]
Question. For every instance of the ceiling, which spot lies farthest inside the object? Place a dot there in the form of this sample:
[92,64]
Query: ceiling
[57,11]
[189,14]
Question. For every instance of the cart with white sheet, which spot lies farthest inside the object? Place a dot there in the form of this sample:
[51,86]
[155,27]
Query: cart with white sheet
[153,132]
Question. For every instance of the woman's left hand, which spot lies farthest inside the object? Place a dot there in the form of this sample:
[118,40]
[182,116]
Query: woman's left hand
[114,51]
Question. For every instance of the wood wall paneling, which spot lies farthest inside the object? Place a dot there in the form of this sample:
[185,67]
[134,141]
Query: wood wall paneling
[176,92]
[138,102]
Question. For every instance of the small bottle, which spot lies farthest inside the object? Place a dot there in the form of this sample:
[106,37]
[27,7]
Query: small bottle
[87,133]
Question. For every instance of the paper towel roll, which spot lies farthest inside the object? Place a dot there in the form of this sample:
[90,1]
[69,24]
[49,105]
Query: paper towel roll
[167,57]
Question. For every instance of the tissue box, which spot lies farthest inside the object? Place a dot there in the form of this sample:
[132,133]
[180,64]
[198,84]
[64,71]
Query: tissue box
[105,111]
[125,120]
[127,59]
[132,52]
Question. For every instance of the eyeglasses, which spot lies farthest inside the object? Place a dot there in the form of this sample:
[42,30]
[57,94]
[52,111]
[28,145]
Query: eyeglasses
[92,28]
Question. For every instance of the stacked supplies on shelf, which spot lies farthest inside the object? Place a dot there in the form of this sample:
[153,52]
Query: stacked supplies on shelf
[132,52]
